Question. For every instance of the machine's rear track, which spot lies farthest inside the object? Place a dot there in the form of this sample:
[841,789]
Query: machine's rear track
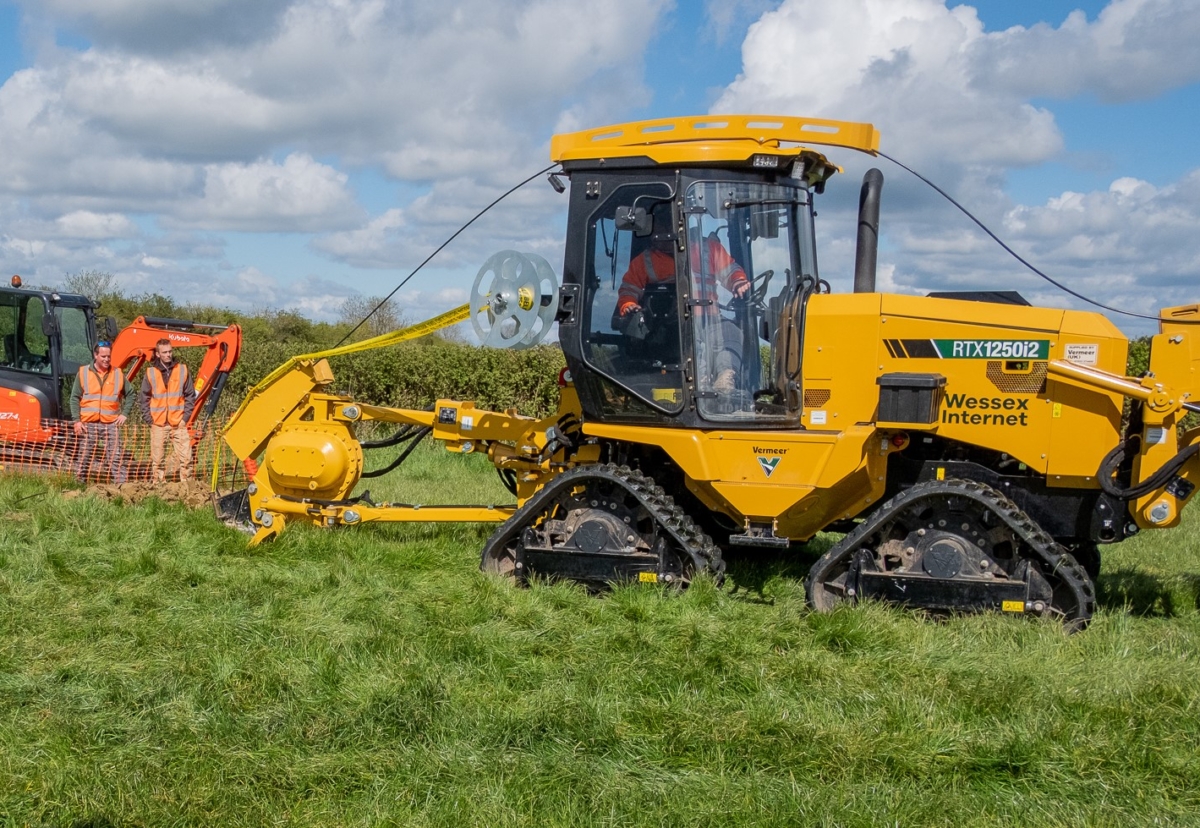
[954,545]
[601,524]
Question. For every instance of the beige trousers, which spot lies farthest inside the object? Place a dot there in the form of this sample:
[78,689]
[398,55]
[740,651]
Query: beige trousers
[181,454]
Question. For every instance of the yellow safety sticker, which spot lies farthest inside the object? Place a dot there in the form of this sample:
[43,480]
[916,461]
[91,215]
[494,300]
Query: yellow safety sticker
[941,473]
[525,298]
[648,577]
[1057,410]
[1013,606]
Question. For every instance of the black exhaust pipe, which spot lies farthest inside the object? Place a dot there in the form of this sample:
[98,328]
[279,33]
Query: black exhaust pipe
[868,232]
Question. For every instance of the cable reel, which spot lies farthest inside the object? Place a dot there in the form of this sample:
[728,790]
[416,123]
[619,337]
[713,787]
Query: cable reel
[514,300]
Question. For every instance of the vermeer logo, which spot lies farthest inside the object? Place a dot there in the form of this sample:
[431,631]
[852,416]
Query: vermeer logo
[769,458]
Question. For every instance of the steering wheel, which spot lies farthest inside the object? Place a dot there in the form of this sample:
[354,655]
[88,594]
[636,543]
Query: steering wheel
[764,278]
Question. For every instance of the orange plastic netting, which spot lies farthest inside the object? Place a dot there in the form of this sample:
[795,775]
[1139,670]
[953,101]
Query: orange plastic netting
[110,454]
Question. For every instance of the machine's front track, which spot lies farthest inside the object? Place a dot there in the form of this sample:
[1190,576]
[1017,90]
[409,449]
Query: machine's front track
[602,524]
[954,546]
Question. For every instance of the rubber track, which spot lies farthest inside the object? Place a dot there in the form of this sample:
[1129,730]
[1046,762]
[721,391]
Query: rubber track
[689,539]
[1061,564]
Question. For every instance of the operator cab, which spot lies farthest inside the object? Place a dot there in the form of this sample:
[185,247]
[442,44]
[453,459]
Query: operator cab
[44,337]
[685,282]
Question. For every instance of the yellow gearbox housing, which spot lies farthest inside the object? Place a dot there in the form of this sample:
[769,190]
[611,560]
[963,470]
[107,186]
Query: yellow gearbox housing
[314,460]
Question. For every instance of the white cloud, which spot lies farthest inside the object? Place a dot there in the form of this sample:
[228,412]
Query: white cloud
[907,68]
[163,25]
[953,101]
[298,195]
[215,115]
[83,224]
[1118,57]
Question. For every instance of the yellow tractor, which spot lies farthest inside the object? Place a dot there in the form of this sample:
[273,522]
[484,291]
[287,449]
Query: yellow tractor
[976,451]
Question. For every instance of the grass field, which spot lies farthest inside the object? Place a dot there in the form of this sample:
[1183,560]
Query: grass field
[155,672]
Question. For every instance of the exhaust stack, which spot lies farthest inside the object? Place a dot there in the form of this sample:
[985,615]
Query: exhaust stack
[867,252]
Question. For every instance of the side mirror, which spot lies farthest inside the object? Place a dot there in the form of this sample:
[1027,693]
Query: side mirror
[635,219]
[110,329]
[49,325]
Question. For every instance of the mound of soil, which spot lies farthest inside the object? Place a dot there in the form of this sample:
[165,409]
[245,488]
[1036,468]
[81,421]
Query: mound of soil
[191,493]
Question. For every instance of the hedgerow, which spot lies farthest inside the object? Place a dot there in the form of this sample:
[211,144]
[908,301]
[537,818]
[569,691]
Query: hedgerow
[410,375]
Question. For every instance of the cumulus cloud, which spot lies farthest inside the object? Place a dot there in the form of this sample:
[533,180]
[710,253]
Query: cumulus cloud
[84,224]
[1118,57]
[954,101]
[215,115]
[297,195]
[164,26]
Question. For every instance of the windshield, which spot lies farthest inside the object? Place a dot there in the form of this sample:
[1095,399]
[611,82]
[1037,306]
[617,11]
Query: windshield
[76,338]
[751,263]
[25,347]
[631,322]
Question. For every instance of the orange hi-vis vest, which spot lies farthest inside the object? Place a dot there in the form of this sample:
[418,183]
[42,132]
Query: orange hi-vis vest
[101,398]
[166,398]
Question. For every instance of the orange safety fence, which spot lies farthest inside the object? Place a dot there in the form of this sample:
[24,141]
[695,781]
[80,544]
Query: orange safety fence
[109,454]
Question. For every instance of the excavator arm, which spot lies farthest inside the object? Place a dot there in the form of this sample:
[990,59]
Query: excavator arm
[134,347]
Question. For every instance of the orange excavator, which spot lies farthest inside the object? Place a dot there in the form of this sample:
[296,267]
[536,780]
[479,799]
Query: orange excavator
[45,336]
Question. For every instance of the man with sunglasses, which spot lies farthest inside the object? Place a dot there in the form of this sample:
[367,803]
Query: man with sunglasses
[100,399]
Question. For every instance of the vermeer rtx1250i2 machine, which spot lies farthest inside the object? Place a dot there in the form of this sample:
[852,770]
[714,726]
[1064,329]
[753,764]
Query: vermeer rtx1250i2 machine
[972,447]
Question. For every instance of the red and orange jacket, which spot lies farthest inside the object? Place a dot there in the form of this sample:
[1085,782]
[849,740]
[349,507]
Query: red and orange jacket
[655,266]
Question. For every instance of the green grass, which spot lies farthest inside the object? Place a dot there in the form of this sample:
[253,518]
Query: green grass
[153,671]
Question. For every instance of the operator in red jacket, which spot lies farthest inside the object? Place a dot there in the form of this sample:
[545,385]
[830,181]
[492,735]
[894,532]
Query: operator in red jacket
[711,264]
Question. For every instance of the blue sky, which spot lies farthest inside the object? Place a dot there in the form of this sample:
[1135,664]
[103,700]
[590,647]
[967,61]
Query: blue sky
[294,153]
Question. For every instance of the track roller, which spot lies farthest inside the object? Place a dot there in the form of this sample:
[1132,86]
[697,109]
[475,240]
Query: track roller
[599,525]
[954,546]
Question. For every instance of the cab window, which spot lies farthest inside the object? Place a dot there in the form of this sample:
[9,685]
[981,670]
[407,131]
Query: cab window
[25,347]
[631,319]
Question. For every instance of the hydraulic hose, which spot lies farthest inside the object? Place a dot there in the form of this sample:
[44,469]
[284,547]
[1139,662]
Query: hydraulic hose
[1112,462]
[416,439]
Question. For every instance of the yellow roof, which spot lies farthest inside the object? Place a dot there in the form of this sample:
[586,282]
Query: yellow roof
[711,138]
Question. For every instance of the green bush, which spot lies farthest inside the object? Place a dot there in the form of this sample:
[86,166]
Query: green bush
[410,375]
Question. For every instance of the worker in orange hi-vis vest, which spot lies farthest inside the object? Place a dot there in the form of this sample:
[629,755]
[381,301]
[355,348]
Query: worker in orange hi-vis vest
[167,399]
[98,412]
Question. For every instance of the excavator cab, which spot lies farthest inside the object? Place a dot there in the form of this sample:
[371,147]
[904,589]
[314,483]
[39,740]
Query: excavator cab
[45,337]
[679,282]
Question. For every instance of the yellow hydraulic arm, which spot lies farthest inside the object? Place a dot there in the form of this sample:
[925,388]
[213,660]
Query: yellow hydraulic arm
[1167,393]
[311,458]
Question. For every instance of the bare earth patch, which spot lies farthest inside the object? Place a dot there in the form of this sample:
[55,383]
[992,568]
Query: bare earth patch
[191,493]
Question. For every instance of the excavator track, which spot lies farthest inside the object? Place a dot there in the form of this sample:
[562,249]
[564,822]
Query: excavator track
[954,546]
[602,524]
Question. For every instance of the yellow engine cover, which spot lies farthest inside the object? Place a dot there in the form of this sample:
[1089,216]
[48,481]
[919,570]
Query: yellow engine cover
[320,461]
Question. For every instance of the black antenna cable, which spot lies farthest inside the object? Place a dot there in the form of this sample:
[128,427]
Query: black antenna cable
[1020,259]
[441,247]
